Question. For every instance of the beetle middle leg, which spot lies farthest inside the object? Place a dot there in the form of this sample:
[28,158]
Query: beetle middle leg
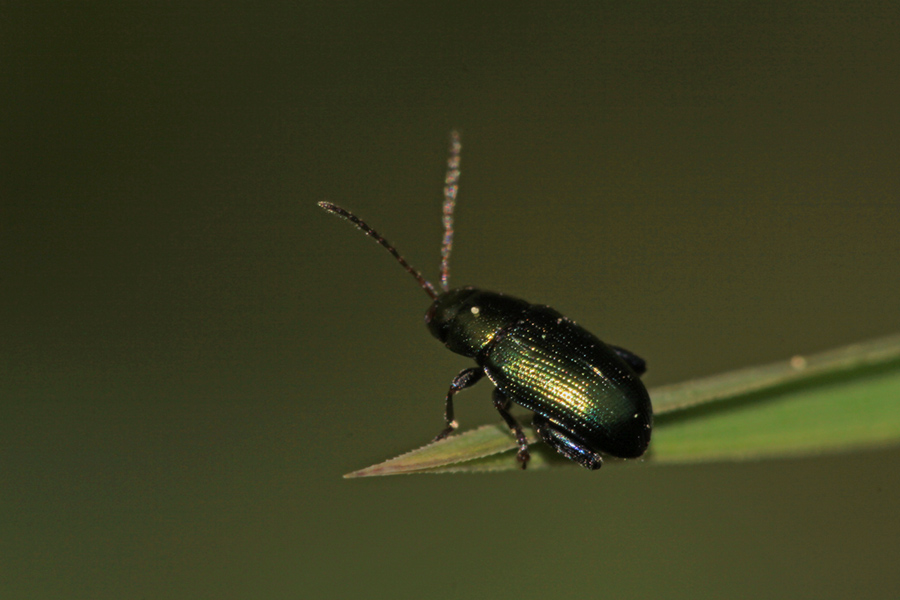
[501,403]
[466,378]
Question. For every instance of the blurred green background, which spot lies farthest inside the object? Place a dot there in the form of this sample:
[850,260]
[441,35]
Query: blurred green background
[192,353]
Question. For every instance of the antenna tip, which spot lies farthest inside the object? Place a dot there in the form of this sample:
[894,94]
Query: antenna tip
[333,208]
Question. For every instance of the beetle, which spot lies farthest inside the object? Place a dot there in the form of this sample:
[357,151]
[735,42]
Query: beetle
[586,396]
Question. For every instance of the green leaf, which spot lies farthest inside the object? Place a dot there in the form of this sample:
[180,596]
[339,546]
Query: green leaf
[840,400]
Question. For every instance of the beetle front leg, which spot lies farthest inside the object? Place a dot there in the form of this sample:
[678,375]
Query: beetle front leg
[501,403]
[466,378]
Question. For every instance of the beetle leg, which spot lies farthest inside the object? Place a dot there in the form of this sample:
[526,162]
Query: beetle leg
[466,378]
[562,442]
[637,364]
[501,403]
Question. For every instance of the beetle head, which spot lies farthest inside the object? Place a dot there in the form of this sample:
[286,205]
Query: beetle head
[467,319]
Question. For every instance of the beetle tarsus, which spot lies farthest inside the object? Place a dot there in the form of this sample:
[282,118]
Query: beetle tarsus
[443,434]
[523,456]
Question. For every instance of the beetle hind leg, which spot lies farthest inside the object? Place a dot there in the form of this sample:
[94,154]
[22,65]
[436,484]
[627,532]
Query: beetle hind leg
[501,403]
[563,443]
[637,364]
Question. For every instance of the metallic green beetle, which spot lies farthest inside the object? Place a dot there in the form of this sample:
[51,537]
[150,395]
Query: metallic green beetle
[587,396]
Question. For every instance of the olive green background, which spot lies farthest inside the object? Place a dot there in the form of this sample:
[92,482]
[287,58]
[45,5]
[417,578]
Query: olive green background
[192,353]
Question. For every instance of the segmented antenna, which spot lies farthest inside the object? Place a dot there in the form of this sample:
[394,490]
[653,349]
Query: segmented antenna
[450,190]
[346,214]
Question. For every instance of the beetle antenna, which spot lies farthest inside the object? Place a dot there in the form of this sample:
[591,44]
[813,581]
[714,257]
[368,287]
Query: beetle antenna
[346,214]
[450,188]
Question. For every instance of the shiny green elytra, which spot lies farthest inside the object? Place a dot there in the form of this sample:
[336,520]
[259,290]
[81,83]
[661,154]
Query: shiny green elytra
[586,396]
